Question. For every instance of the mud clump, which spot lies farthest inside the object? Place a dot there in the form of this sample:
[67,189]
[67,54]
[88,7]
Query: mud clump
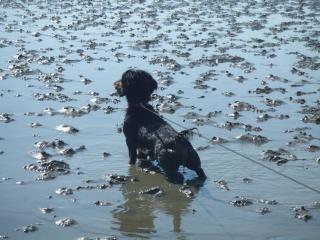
[268,202]
[218,140]
[55,144]
[313,148]
[264,210]
[273,102]
[265,117]
[279,156]
[168,104]
[241,202]
[232,125]
[166,61]
[49,169]
[6,117]
[312,114]
[302,213]
[58,62]
[114,179]
[29,228]
[35,125]
[71,151]
[71,111]
[64,191]
[251,138]
[67,129]
[40,155]
[301,136]
[222,184]
[145,44]
[308,62]
[247,180]
[66,222]
[46,210]
[268,90]
[242,106]
[186,190]
[52,96]
[102,203]
[214,60]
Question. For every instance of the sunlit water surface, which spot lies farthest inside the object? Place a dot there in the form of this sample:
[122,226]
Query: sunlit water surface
[99,40]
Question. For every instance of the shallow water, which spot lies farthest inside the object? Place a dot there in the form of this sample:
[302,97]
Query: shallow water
[98,40]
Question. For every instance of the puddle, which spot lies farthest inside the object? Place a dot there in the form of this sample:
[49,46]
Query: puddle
[244,74]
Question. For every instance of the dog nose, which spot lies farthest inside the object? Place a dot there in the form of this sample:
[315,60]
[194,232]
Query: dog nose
[117,84]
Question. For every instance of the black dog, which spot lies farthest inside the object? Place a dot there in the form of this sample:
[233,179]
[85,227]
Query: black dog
[144,129]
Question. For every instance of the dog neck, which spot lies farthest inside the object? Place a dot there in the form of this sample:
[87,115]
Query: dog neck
[136,105]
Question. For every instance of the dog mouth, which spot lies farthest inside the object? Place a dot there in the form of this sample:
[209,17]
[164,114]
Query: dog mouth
[120,92]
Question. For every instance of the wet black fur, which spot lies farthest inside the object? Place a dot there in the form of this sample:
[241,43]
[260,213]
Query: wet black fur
[145,130]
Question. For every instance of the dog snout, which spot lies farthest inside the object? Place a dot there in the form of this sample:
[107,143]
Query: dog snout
[118,85]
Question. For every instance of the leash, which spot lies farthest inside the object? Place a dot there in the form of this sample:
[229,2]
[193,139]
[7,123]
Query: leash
[238,153]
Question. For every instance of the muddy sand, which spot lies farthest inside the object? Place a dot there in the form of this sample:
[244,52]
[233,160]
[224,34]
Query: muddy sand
[245,74]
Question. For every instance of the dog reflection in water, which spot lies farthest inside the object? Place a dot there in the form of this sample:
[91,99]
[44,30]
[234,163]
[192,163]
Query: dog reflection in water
[146,131]
[136,216]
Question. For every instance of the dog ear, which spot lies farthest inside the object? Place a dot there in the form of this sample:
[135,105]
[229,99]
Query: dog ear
[127,78]
[146,83]
[153,85]
[150,84]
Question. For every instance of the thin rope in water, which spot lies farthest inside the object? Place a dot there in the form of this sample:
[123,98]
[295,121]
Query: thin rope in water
[238,153]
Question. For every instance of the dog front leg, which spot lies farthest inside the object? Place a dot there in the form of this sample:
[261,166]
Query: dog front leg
[132,148]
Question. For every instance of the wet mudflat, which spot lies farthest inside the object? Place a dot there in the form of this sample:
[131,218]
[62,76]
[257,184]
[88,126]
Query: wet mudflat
[244,73]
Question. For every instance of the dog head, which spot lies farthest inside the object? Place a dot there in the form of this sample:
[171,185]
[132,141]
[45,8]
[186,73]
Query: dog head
[136,85]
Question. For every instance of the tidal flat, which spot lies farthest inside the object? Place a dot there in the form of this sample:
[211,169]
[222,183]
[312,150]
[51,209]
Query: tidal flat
[244,74]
